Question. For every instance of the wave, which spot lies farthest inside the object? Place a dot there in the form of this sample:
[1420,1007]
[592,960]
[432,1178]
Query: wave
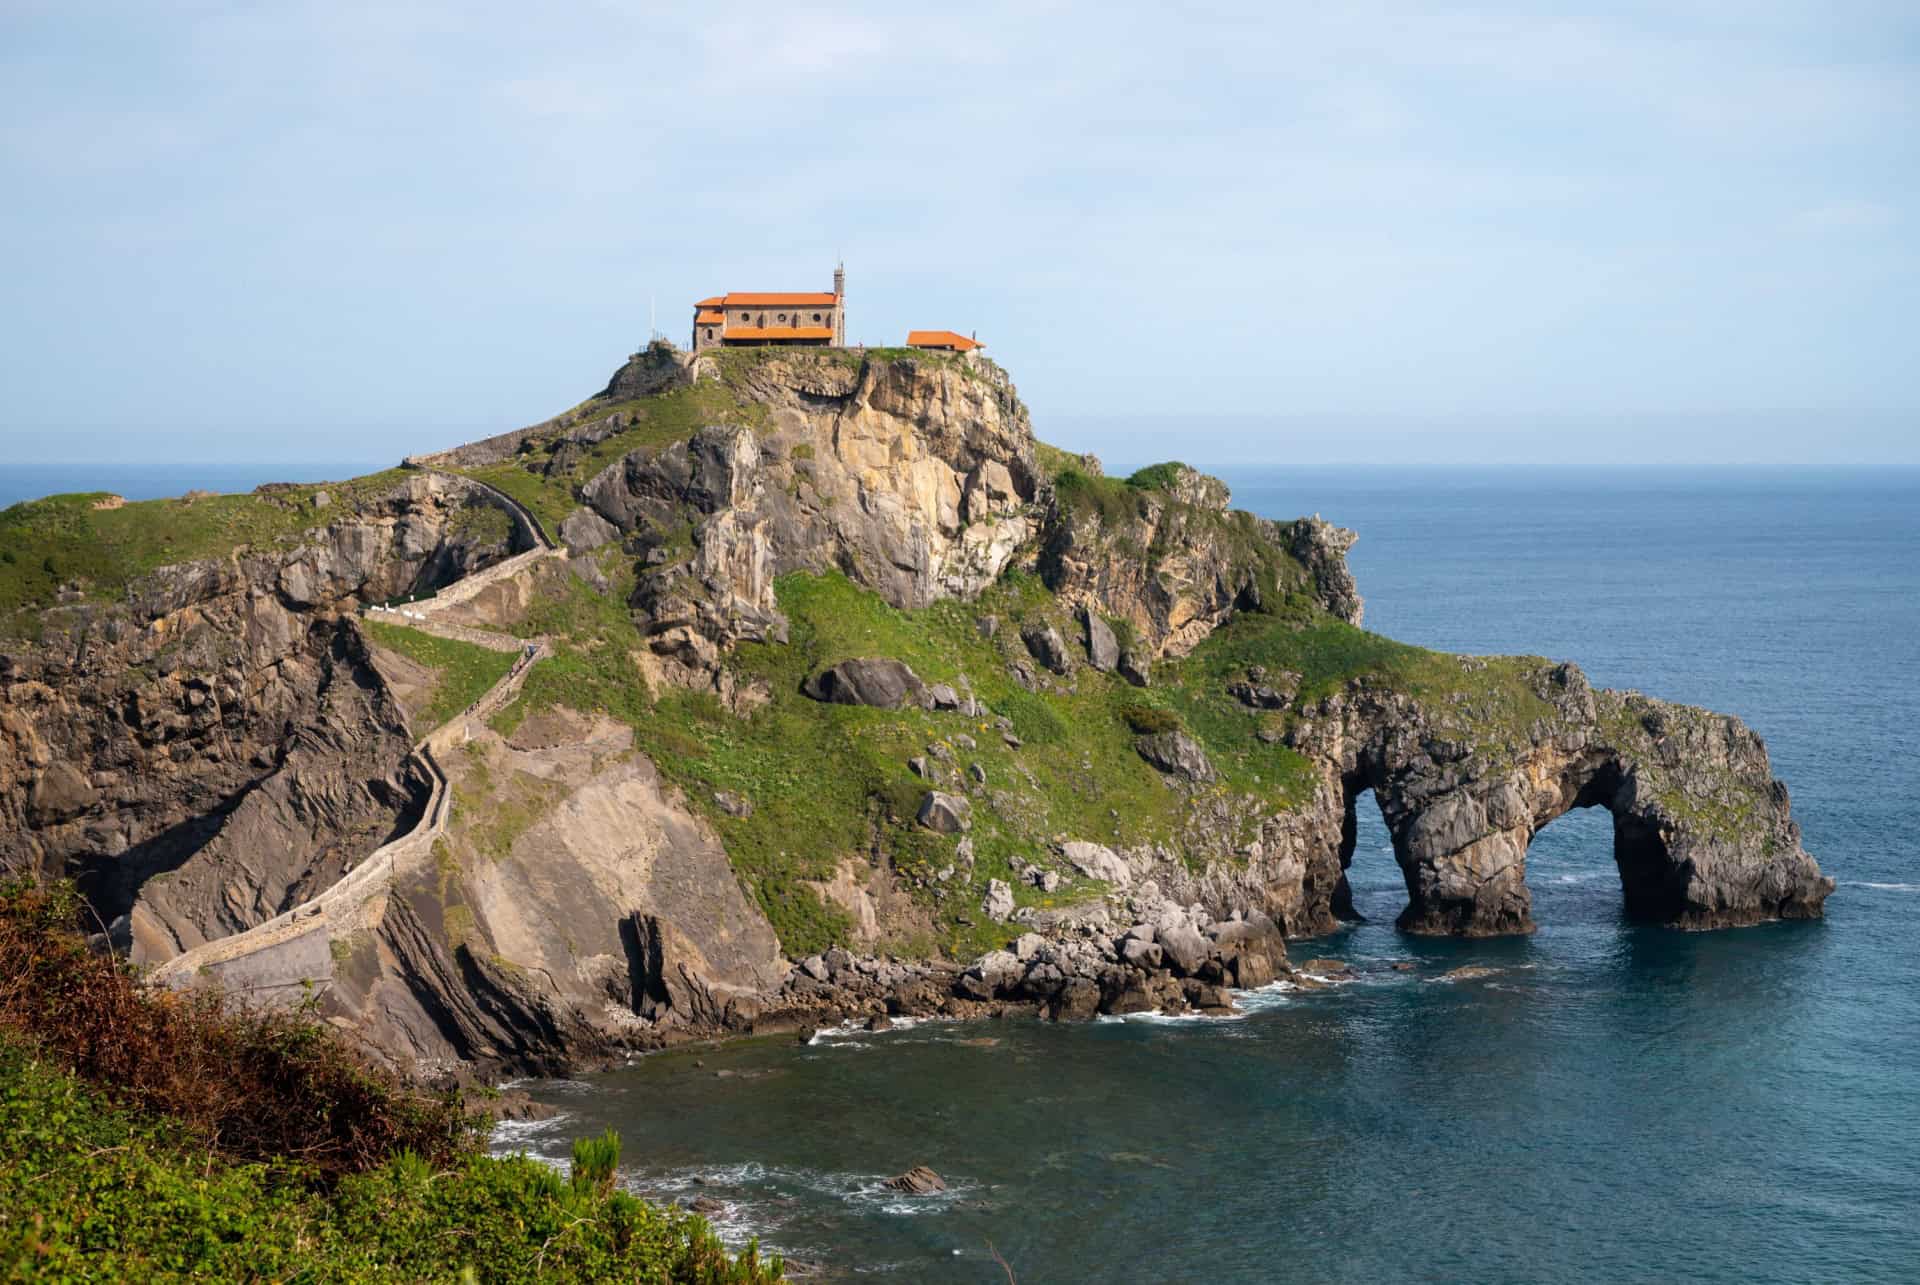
[842,1035]
[749,1193]
[1880,887]
[1155,1017]
[510,1136]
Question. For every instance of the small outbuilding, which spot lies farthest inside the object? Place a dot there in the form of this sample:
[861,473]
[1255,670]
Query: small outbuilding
[942,341]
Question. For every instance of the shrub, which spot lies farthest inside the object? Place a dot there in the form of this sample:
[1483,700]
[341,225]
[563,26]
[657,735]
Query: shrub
[1156,477]
[252,1085]
[1149,720]
[594,1162]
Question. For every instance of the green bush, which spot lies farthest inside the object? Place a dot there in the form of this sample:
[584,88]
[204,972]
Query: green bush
[1156,477]
[1149,720]
[594,1162]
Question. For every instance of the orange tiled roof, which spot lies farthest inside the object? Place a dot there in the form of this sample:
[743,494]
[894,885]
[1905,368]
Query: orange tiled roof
[941,339]
[715,302]
[749,299]
[778,332]
[707,318]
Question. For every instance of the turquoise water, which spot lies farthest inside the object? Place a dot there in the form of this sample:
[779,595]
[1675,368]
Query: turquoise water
[1612,1102]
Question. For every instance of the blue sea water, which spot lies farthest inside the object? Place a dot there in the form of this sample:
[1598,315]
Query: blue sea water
[151,480]
[1613,1102]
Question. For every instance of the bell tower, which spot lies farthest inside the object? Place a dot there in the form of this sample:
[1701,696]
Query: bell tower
[840,305]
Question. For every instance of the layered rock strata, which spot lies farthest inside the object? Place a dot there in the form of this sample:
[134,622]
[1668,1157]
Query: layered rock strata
[216,745]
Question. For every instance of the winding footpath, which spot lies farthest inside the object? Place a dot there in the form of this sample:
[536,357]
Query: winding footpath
[292,954]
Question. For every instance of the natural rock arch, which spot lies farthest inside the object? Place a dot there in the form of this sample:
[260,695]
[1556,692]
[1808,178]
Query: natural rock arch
[1701,832]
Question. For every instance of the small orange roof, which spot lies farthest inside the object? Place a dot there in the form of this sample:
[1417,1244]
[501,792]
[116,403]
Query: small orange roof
[777,332]
[708,318]
[715,302]
[941,339]
[748,299]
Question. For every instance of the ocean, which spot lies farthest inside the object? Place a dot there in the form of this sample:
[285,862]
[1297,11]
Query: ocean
[1612,1102]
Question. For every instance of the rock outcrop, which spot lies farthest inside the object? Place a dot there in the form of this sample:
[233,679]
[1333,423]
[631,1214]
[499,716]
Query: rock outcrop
[915,479]
[1174,563]
[576,906]
[216,745]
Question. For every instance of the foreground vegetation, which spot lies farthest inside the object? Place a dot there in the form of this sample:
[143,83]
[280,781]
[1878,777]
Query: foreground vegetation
[159,1138]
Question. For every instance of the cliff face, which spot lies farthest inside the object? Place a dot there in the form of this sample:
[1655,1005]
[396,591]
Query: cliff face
[915,481]
[213,745]
[838,656]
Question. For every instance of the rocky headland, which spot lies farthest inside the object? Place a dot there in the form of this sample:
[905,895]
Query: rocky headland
[776,688]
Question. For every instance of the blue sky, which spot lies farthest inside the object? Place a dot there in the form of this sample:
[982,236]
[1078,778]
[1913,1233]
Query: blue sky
[1679,232]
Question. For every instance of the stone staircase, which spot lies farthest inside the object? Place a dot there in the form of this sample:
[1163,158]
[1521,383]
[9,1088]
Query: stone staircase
[292,954]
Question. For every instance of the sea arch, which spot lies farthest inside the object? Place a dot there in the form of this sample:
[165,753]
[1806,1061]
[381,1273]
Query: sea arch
[1702,836]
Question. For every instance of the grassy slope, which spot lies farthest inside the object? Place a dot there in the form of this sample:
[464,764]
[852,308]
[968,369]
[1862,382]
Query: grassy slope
[63,539]
[465,670]
[827,782]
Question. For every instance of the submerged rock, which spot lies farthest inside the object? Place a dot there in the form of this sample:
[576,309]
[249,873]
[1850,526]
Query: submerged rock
[917,1181]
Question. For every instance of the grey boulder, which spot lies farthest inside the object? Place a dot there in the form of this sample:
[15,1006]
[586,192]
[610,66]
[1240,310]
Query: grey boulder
[1176,754]
[1047,646]
[1103,649]
[945,813]
[879,681]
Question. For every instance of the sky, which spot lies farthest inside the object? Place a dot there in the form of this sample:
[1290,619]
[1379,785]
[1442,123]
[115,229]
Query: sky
[1683,232]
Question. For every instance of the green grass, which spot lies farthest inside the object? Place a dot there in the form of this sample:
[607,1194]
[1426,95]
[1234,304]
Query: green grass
[1111,499]
[830,783]
[151,1135]
[1491,701]
[91,1192]
[64,539]
[466,671]
[826,780]
[483,524]
[1156,477]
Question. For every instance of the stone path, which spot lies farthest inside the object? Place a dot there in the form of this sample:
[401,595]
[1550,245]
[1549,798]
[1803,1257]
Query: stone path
[281,960]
